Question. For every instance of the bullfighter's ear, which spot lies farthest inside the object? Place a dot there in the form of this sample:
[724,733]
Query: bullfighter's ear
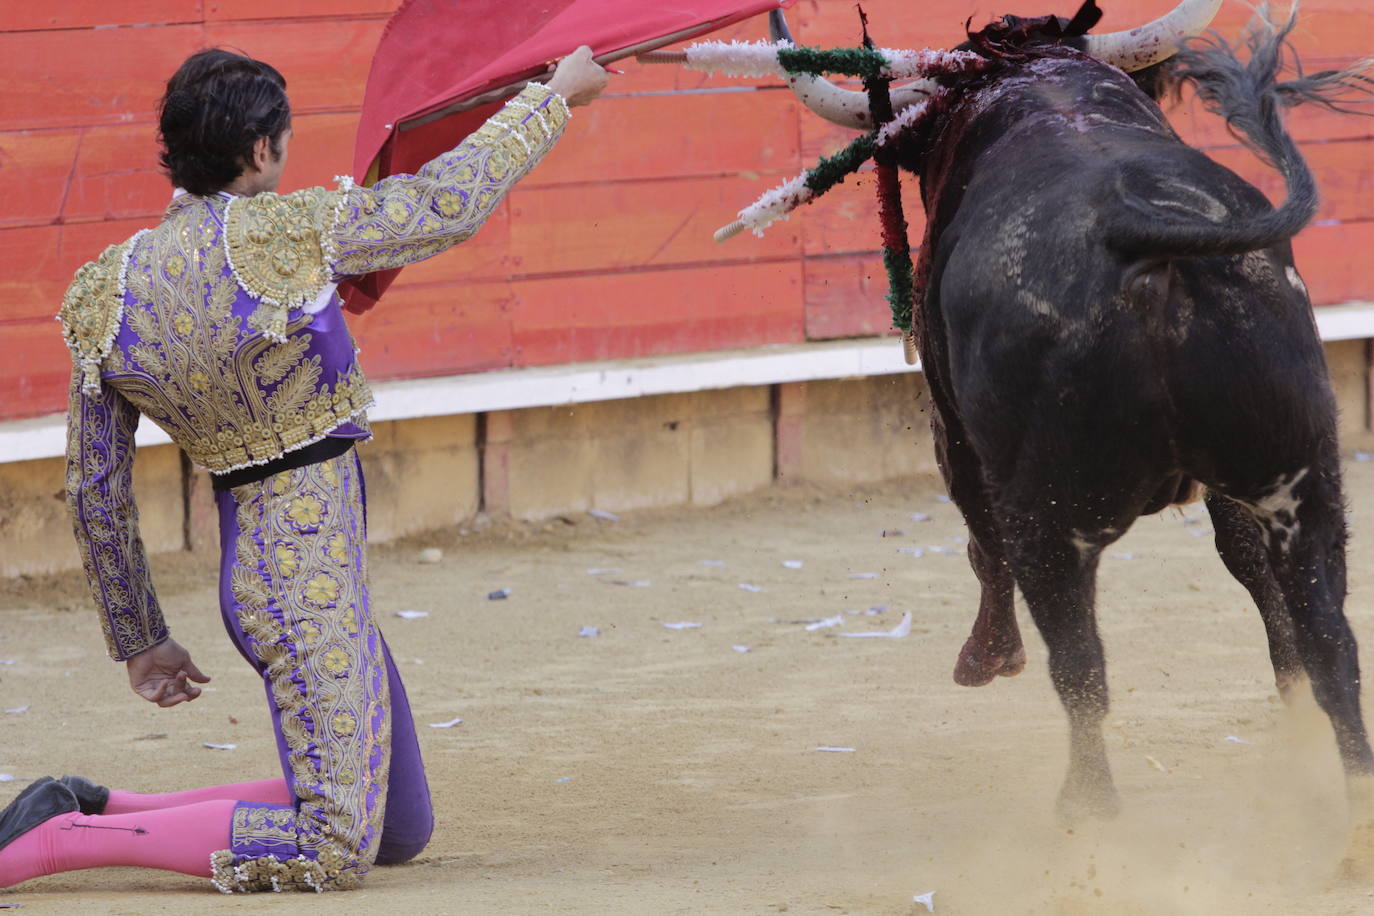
[1088,15]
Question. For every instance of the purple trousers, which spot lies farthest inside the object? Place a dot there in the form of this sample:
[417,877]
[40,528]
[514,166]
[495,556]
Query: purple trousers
[294,597]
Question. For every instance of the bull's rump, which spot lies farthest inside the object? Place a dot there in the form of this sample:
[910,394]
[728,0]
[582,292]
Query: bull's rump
[1114,371]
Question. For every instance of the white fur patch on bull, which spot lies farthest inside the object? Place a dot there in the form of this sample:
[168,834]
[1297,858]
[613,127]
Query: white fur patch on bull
[1090,545]
[1294,278]
[1277,510]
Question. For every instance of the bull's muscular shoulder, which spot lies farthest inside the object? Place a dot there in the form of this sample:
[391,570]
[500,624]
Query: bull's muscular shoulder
[92,310]
[276,244]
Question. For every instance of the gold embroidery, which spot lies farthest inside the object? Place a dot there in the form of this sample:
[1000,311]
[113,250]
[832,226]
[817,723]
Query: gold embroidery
[190,339]
[100,457]
[407,218]
[274,249]
[92,310]
[305,611]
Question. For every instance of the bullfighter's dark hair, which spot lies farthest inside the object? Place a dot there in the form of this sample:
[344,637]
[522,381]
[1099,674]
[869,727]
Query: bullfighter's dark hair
[218,104]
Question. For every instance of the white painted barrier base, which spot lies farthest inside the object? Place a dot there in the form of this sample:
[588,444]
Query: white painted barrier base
[513,389]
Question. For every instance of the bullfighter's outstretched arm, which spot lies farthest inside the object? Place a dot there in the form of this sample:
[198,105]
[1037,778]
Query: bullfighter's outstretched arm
[406,218]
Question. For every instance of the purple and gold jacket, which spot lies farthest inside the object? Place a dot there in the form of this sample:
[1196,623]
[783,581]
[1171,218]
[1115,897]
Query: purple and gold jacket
[222,326]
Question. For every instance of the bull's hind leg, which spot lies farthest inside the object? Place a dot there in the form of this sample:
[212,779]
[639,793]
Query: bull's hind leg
[1241,543]
[994,647]
[1059,583]
[1303,516]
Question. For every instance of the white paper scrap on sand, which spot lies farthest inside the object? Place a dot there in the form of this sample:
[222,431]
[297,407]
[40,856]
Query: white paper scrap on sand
[926,900]
[899,631]
[608,571]
[826,623]
[712,562]
[17,711]
[6,661]
[589,631]
[218,747]
[863,575]
[449,724]
[603,515]
[683,625]
[920,517]
[750,588]
[1122,555]
[912,551]
[792,564]
[836,750]
[740,649]
[8,777]
[1234,740]
[942,498]
[412,615]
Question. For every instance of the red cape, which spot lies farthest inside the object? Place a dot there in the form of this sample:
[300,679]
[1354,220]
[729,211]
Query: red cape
[442,68]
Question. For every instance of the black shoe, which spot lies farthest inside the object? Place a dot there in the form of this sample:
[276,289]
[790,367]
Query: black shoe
[90,796]
[41,801]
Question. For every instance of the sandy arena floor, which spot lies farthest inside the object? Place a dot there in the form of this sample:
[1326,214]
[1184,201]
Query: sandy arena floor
[650,770]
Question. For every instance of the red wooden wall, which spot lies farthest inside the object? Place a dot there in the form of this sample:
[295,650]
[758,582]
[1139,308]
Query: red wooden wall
[605,251]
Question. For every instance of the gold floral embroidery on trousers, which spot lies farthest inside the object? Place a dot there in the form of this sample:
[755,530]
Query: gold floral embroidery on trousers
[300,588]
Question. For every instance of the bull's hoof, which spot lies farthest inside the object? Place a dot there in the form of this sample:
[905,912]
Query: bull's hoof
[977,666]
[1288,684]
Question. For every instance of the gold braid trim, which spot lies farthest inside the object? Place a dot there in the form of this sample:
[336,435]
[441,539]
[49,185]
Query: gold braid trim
[93,310]
[274,248]
[231,874]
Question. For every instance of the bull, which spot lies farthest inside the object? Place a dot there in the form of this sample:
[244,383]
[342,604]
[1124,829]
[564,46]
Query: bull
[1111,319]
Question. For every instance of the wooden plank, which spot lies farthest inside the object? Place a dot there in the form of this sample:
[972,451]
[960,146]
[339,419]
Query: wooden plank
[117,176]
[35,166]
[36,370]
[325,63]
[321,148]
[1330,259]
[612,226]
[36,263]
[75,14]
[643,314]
[224,10]
[423,329]
[845,219]
[624,138]
[88,76]
[1345,178]
[112,172]
[845,297]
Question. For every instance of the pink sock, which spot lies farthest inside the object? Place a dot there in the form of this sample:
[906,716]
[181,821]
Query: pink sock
[175,839]
[264,791]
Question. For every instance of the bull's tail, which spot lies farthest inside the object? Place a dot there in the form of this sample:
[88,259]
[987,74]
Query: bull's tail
[1251,99]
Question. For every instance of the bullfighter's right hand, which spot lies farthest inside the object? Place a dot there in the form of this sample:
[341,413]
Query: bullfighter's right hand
[578,78]
[162,674]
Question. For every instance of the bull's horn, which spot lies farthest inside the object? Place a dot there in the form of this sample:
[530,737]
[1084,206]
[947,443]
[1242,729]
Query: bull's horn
[1139,48]
[843,106]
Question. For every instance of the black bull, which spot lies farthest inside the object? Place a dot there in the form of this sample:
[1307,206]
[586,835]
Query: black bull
[1110,316]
